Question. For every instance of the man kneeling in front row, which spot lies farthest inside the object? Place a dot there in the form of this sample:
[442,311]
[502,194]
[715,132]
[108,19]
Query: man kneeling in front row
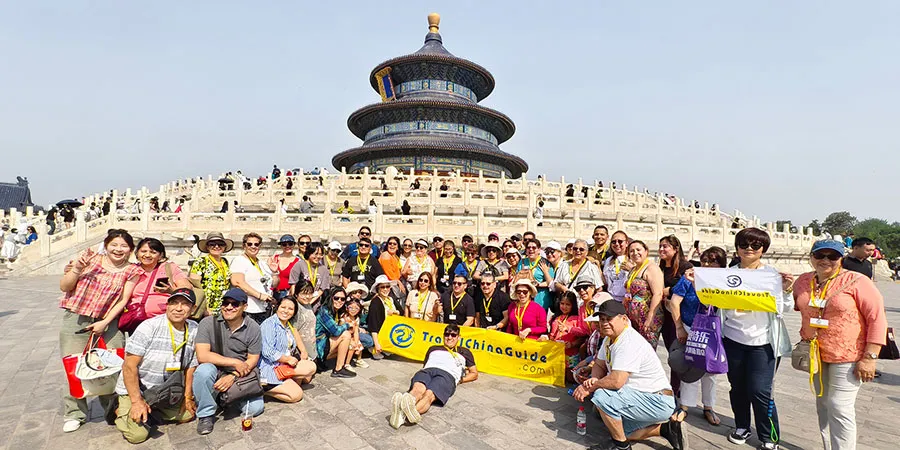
[629,386]
[445,366]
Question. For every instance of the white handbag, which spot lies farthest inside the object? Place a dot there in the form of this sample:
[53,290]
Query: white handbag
[98,369]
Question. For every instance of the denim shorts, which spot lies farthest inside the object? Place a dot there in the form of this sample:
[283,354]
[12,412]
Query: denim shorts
[634,408]
[366,340]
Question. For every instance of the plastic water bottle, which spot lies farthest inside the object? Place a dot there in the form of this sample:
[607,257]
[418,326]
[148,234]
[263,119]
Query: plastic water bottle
[581,421]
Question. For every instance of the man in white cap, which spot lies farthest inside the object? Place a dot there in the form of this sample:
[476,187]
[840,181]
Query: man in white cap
[334,263]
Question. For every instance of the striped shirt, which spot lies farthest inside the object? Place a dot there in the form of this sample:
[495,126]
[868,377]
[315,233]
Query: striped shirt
[97,289]
[277,341]
[153,343]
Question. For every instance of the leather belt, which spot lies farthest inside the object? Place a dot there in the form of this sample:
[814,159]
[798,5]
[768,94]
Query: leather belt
[665,392]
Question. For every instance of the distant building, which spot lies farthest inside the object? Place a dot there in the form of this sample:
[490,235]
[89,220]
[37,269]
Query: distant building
[15,195]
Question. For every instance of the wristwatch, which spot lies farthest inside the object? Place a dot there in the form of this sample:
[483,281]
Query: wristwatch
[870,355]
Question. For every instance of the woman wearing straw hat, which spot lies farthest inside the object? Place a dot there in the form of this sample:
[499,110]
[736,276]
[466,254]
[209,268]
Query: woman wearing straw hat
[210,272]
[381,307]
[526,318]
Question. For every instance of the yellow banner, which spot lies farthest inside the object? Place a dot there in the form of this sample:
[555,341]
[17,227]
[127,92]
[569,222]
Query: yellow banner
[741,289]
[495,352]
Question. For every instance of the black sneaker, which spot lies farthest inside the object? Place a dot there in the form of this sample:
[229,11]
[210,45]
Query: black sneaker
[343,373]
[676,433]
[739,436]
[610,446]
[205,425]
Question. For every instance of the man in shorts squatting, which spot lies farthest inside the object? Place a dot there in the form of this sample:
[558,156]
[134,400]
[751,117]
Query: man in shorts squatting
[628,385]
[445,366]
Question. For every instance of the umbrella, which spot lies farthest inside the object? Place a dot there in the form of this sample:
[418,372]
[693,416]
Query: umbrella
[71,202]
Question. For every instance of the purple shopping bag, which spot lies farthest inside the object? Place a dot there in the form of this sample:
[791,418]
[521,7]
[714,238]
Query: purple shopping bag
[704,348]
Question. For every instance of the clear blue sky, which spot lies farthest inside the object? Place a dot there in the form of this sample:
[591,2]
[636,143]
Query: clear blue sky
[779,109]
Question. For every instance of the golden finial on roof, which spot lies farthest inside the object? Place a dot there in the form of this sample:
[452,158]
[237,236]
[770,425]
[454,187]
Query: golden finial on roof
[434,22]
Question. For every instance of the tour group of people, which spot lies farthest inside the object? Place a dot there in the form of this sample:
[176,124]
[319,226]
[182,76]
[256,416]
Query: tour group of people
[248,326]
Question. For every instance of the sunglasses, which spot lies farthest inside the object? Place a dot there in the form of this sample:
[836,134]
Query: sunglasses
[421,247]
[339,299]
[363,245]
[832,256]
[487,283]
[407,246]
[287,244]
[619,241]
[531,247]
[364,234]
[215,244]
[384,286]
[459,283]
[579,249]
[231,304]
[252,244]
[424,280]
[754,246]
[581,288]
[392,243]
[522,292]
[303,243]
[451,334]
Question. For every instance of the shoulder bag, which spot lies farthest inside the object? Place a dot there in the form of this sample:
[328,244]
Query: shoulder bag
[135,313]
[171,392]
[243,387]
[889,349]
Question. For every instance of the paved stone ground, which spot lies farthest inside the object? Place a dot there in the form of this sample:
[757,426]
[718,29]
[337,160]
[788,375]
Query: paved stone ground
[493,412]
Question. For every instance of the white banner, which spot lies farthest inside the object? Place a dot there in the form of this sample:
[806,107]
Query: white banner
[740,289]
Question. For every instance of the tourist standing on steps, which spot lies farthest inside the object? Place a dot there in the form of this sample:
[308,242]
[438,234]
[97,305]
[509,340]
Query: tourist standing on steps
[423,302]
[392,267]
[643,293]
[577,269]
[351,250]
[492,306]
[150,358]
[628,385]
[599,250]
[853,310]
[222,363]
[334,263]
[537,269]
[446,366]
[364,267]
[527,319]
[673,264]
[95,289]
[281,265]
[754,341]
[616,266]
[210,271]
[333,338]
[417,264]
[311,269]
[380,308]
[446,266]
[254,277]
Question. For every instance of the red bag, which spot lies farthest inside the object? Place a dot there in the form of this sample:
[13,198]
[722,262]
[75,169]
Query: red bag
[71,361]
[284,371]
[136,313]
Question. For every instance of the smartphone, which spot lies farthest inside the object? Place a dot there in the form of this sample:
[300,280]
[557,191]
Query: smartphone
[82,331]
[162,282]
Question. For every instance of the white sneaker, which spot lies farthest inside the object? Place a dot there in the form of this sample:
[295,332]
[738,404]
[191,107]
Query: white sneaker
[349,369]
[397,416]
[361,364]
[71,425]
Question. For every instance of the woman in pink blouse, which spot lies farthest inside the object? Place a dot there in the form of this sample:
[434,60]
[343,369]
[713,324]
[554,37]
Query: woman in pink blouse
[844,313]
[526,318]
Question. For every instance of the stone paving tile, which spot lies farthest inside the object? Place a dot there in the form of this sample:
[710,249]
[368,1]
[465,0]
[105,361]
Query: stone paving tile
[492,413]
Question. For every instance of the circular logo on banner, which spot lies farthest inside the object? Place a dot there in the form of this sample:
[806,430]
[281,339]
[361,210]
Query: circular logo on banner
[402,335]
[733,281]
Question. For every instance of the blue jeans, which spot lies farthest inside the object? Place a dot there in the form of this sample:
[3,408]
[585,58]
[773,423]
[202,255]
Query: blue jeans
[366,340]
[751,370]
[205,376]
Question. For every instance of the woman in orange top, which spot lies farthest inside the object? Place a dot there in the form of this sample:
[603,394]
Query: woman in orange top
[390,263]
[844,313]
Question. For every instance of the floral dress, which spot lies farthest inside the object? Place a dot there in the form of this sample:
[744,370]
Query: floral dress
[215,279]
[637,307]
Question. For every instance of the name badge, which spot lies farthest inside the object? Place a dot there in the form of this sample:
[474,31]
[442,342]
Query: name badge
[816,322]
[445,279]
[817,302]
[451,317]
[417,316]
[174,364]
[360,277]
[489,319]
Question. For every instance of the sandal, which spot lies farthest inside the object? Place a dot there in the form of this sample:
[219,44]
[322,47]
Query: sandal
[711,417]
[679,414]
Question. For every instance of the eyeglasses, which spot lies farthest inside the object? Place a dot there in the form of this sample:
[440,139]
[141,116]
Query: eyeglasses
[618,241]
[459,283]
[362,245]
[522,292]
[215,244]
[451,334]
[252,244]
[831,255]
[751,245]
[579,249]
[231,304]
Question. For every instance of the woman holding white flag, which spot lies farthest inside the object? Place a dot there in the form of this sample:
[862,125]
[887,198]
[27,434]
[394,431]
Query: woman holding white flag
[754,341]
[843,314]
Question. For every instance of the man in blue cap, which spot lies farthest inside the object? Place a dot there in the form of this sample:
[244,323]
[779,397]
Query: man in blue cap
[228,348]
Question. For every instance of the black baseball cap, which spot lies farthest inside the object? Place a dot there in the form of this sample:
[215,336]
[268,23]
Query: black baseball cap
[185,293]
[610,309]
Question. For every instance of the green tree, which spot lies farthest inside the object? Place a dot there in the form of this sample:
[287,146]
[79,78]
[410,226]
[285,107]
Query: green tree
[816,227]
[839,223]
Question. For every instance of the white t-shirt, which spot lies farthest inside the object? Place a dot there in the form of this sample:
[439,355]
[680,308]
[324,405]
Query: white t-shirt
[633,354]
[258,276]
[747,327]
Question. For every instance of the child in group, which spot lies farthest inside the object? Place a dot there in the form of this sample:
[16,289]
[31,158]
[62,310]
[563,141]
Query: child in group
[361,338]
[566,328]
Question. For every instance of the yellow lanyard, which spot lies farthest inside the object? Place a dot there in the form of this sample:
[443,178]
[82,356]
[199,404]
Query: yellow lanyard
[330,267]
[824,292]
[487,305]
[423,297]
[635,273]
[608,354]
[388,305]
[399,264]
[588,309]
[471,268]
[520,315]
[454,305]
[256,264]
[603,254]
[362,264]
[447,265]
[291,334]
[219,267]
[815,365]
[572,273]
[560,324]
[175,348]
[617,265]
[313,274]
[452,351]
[534,264]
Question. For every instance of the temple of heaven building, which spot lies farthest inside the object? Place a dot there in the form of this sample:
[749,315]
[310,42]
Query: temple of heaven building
[429,117]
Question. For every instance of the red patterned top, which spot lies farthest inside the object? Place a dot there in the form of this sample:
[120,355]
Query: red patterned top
[855,314]
[97,289]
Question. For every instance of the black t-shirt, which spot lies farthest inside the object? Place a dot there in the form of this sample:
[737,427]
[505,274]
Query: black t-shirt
[371,270]
[671,276]
[444,276]
[464,307]
[499,302]
[864,267]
